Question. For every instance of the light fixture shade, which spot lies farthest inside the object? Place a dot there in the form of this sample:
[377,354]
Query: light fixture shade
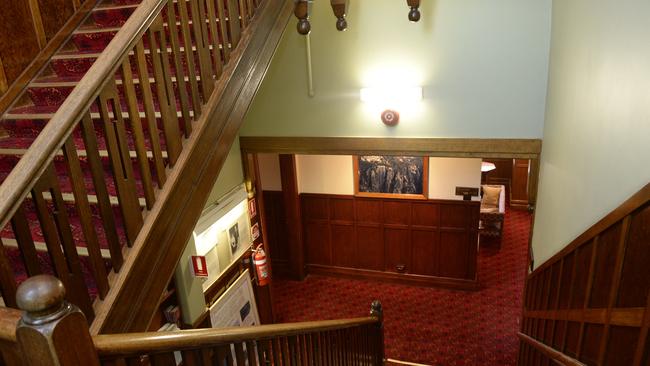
[391,96]
[487,166]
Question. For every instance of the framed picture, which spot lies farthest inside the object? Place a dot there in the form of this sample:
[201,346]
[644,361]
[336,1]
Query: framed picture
[233,238]
[391,176]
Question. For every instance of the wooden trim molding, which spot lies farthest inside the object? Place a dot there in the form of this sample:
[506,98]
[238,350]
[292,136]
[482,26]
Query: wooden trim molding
[440,147]
[550,352]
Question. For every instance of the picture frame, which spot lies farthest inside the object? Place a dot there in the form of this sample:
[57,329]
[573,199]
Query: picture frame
[391,176]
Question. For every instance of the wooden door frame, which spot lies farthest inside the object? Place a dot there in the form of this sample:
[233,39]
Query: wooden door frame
[434,147]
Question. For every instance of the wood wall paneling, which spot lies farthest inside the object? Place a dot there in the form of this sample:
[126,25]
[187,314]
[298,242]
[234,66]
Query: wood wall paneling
[18,42]
[591,301]
[519,188]
[393,236]
[292,210]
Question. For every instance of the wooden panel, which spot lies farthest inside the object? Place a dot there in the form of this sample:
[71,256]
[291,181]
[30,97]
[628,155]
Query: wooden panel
[370,242]
[368,211]
[425,257]
[398,250]
[314,208]
[635,280]
[54,14]
[292,210]
[519,188]
[275,221]
[425,214]
[342,209]
[453,255]
[454,216]
[18,42]
[601,313]
[317,243]
[344,251]
[397,212]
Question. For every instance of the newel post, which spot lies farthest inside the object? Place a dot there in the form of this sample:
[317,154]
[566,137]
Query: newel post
[51,331]
[377,312]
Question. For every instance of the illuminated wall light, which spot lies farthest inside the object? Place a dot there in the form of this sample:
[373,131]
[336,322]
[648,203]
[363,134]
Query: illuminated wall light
[391,100]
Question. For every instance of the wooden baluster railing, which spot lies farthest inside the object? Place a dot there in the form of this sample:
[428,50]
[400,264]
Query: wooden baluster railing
[115,103]
[97,264]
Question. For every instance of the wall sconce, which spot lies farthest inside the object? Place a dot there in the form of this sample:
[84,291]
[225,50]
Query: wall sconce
[391,100]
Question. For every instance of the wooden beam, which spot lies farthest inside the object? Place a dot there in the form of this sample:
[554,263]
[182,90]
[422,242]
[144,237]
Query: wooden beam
[37,22]
[510,148]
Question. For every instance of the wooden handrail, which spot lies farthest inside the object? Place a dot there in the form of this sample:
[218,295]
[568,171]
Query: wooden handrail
[150,342]
[550,352]
[8,321]
[33,164]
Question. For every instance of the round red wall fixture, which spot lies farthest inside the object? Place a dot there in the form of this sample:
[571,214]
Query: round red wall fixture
[390,117]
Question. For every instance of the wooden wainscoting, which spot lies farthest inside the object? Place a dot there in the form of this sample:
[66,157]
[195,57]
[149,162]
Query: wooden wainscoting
[591,301]
[423,242]
[276,233]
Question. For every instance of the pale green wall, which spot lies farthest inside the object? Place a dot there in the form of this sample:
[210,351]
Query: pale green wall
[189,289]
[597,134]
[482,64]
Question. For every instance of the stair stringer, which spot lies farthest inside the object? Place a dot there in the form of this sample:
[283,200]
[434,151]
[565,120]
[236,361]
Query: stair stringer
[149,265]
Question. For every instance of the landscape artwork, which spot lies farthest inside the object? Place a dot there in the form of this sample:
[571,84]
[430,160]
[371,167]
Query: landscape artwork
[391,176]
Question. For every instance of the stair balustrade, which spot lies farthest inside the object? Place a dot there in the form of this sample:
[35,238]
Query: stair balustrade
[88,188]
[52,331]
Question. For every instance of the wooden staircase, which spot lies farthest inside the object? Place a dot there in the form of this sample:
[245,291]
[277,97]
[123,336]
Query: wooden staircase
[115,144]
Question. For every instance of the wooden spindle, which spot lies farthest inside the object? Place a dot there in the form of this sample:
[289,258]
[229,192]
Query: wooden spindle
[214,35]
[121,165]
[7,280]
[23,235]
[82,205]
[181,86]
[101,192]
[202,44]
[52,332]
[414,13]
[61,247]
[150,113]
[301,11]
[221,13]
[340,8]
[189,54]
[234,26]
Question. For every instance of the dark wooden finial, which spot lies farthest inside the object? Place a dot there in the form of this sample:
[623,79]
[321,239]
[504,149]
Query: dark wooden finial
[414,13]
[301,10]
[52,332]
[340,8]
[40,296]
[376,310]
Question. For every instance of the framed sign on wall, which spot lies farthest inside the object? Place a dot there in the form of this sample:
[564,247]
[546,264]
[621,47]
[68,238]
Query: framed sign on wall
[391,176]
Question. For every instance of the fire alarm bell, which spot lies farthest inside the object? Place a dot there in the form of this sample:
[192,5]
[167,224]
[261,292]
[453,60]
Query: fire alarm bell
[199,266]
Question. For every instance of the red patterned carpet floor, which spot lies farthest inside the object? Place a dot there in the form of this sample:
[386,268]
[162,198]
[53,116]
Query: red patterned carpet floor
[429,325]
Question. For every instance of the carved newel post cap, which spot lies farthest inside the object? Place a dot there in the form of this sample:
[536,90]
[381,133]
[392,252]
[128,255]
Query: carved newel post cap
[376,309]
[40,295]
[414,14]
[304,27]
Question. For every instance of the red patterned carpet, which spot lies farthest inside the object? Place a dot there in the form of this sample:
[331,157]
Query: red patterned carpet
[427,325]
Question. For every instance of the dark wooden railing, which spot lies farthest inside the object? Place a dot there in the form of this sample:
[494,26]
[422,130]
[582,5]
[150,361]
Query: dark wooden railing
[54,332]
[185,55]
[590,303]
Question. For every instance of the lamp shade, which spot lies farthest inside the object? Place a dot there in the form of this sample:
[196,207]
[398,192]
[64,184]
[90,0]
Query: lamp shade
[487,166]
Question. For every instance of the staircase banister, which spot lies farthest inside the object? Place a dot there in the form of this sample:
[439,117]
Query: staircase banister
[151,342]
[8,321]
[554,354]
[50,140]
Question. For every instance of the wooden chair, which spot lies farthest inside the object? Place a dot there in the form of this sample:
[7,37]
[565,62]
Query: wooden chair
[492,219]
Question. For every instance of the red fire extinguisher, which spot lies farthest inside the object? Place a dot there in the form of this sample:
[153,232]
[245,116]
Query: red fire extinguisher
[259,259]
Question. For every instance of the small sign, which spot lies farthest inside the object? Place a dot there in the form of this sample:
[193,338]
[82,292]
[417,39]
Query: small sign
[252,208]
[199,266]
[255,231]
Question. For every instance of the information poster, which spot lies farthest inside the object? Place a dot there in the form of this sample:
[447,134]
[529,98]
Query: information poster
[236,307]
